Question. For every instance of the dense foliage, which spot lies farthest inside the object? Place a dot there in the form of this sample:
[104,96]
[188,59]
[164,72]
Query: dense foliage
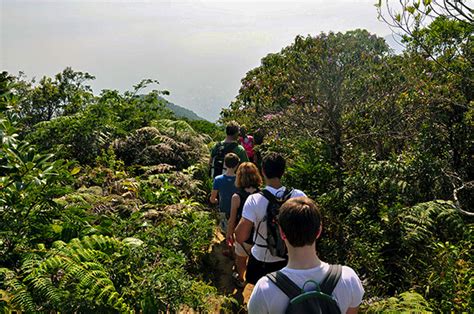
[99,205]
[381,141]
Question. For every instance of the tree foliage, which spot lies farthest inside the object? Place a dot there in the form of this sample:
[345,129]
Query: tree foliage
[381,141]
[310,86]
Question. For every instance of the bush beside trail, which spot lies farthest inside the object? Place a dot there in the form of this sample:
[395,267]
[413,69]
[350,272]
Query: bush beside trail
[109,235]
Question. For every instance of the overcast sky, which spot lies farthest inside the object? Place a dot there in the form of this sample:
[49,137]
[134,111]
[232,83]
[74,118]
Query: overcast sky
[198,50]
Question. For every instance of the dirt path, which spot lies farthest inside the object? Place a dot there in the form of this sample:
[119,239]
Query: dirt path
[223,276]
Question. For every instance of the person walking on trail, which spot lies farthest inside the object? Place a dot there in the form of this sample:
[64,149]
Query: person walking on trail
[247,143]
[258,212]
[248,181]
[228,145]
[300,225]
[223,188]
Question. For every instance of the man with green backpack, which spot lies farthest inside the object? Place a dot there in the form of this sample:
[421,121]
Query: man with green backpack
[228,145]
[306,284]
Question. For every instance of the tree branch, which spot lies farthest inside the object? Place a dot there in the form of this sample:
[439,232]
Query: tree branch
[457,204]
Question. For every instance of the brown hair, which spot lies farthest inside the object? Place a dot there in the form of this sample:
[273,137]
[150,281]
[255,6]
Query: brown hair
[300,221]
[232,129]
[231,160]
[248,176]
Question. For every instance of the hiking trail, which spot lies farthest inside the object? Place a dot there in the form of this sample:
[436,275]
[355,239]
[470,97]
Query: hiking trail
[222,274]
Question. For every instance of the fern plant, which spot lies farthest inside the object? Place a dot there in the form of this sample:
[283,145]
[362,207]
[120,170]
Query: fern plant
[16,295]
[69,277]
[29,181]
[406,302]
[423,223]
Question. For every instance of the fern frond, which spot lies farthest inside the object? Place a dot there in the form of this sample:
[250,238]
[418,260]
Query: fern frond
[406,302]
[424,222]
[76,267]
[21,297]
[171,126]
[45,288]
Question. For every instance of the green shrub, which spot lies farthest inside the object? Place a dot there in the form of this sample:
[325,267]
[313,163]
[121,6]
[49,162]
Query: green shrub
[406,302]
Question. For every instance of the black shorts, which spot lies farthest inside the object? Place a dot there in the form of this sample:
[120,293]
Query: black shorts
[257,269]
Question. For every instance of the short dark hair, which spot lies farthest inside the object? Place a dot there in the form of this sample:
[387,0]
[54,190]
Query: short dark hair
[273,165]
[231,160]
[300,221]
[232,128]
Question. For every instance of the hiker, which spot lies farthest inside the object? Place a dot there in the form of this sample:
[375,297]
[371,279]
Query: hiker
[228,145]
[224,187]
[300,225]
[248,181]
[258,138]
[247,143]
[265,258]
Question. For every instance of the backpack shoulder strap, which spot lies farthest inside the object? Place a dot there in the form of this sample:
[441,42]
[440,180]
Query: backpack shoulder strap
[216,149]
[287,194]
[272,198]
[331,280]
[268,195]
[284,284]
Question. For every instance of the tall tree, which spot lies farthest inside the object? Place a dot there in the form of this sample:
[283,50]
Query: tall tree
[66,94]
[312,84]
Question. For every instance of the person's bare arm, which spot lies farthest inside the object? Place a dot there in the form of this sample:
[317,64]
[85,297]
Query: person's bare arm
[234,206]
[213,198]
[243,230]
[352,310]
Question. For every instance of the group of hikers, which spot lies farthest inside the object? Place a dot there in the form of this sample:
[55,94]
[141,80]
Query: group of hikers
[272,232]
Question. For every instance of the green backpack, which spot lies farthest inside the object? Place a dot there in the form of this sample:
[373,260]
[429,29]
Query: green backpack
[217,165]
[318,300]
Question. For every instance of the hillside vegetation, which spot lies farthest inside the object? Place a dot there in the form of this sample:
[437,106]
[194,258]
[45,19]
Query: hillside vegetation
[103,197]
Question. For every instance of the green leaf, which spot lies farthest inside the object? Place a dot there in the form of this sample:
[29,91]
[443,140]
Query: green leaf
[56,228]
[132,241]
[410,9]
[75,170]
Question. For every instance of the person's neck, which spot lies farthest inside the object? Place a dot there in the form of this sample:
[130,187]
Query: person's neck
[303,257]
[229,139]
[230,172]
[250,189]
[274,183]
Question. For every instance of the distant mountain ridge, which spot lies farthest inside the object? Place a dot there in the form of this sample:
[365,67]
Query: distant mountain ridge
[181,112]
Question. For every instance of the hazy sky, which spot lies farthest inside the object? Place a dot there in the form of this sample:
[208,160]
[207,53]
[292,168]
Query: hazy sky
[198,50]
